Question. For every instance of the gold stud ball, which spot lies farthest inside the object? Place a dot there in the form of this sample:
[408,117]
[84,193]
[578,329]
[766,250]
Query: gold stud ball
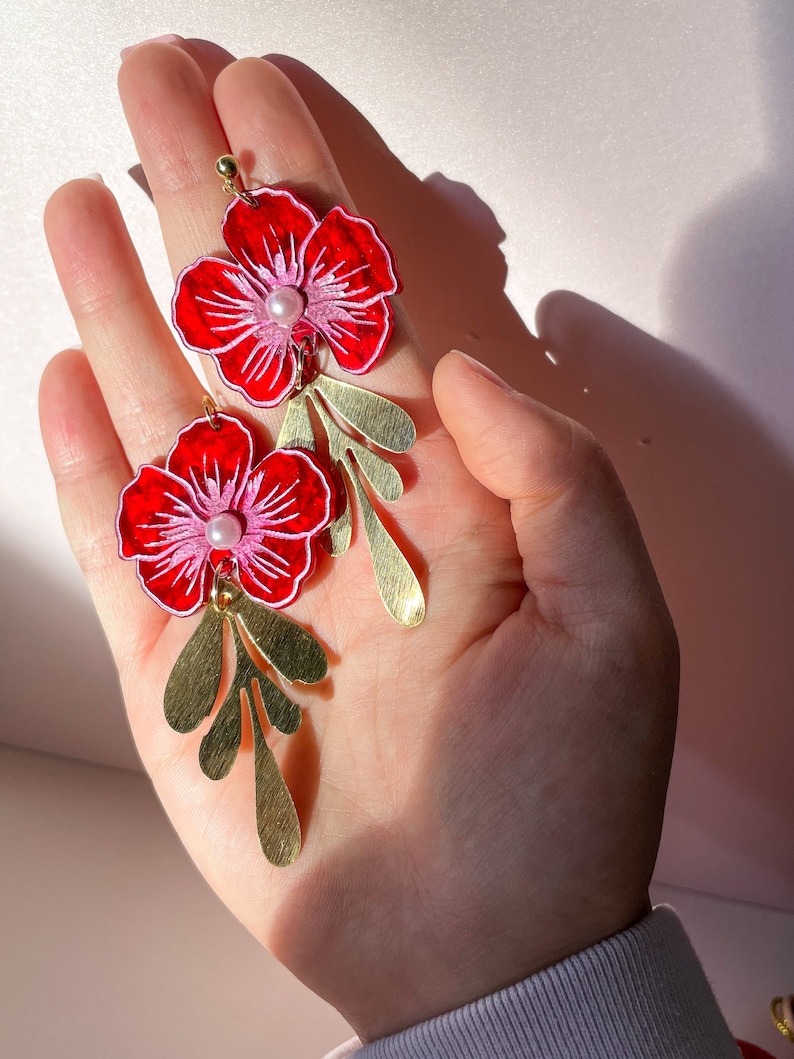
[227,167]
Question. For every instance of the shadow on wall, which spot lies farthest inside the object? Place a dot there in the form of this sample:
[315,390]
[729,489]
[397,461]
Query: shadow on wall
[731,284]
[60,690]
[730,290]
[713,492]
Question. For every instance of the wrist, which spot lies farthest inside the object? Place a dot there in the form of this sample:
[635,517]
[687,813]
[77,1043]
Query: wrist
[435,981]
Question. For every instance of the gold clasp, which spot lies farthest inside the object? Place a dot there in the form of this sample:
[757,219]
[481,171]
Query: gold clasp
[211,409]
[228,169]
[306,350]
[221,597]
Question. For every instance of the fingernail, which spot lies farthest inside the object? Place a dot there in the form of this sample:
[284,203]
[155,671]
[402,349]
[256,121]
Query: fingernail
[166,38]
[95,176]
[485,371]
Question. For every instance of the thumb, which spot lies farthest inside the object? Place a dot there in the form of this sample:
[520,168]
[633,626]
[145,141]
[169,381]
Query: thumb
[582,551]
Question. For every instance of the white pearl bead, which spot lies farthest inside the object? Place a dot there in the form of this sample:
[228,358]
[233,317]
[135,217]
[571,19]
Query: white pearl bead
[224,530]
[284,306]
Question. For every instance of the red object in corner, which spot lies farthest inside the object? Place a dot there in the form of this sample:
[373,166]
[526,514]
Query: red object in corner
[752,1051]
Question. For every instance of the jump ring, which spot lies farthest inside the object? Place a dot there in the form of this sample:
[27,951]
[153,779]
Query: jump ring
[211,409]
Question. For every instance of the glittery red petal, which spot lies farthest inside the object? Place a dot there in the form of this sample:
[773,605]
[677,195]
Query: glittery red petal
[291,494]
[288,502]
[158,525]
[266,240]
[152,504]
[276,570]
[217,305]
[346,258]
[214,463]
[263,371]
[180,588]
[358,337]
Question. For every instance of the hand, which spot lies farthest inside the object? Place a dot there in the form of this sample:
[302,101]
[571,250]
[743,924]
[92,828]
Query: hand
[480,796]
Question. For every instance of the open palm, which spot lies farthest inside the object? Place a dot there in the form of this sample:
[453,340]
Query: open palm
[479,796]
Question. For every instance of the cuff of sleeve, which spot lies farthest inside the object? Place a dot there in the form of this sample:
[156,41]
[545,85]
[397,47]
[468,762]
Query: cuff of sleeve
[641,993]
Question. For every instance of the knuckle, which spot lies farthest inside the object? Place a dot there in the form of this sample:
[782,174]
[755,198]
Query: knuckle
[590,465]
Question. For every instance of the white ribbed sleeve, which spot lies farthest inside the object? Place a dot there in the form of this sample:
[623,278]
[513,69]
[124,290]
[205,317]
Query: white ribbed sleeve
[641,994]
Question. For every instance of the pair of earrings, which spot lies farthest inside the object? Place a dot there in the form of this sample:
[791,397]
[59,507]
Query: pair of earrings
[219,529]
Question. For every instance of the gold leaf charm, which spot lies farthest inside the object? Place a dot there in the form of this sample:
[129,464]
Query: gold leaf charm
[292,651]
[397,583]
[276,817]
[218,750]
[296,430]
[193,684]
[378,419]
[336,539]
[192,689]
[386,425]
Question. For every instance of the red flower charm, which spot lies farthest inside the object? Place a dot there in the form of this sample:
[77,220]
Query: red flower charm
[294,276]
[209,504]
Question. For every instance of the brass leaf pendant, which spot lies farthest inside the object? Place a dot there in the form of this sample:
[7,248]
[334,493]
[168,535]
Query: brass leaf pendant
[385,425]
[192,690]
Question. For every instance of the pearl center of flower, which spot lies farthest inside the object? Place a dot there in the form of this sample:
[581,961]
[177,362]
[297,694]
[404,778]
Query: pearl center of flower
[224,530]
[285,306]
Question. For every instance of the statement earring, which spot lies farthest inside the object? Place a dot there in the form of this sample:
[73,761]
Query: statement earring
[213,529]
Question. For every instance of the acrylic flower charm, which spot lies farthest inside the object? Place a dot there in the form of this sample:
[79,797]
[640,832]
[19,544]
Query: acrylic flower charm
[294,276]
[211,503]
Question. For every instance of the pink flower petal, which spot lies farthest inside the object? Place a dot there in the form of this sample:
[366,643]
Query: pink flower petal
[217,305]
[266,240]
[214,463]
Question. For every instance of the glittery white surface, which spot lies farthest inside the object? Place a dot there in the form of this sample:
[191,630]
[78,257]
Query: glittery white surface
[637,152]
